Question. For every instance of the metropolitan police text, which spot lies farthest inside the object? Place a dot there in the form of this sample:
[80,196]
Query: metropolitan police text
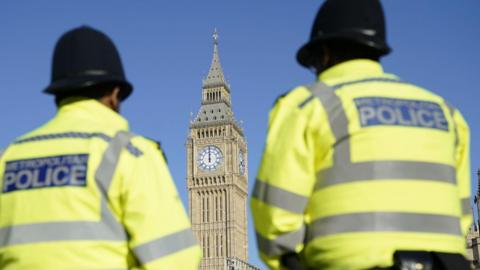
[54,171]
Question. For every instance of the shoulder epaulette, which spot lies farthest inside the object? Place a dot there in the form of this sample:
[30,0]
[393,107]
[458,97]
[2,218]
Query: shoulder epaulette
[159,147]
[281,96]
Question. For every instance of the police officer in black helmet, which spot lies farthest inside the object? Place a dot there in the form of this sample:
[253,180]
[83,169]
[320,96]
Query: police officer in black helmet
[352,29]
[84,61]
[361,170]
[82,191]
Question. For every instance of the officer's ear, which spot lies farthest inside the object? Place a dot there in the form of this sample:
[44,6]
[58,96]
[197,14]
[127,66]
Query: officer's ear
[327,57]
[322,58]
[115,99]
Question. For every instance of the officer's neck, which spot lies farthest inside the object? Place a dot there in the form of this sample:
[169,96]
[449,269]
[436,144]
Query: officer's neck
[110,103]
[331,62]
[112,100]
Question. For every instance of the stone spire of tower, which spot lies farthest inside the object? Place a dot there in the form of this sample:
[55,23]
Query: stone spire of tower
[215,75]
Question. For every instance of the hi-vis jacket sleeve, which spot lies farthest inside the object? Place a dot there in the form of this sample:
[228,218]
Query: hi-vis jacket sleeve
[154,216]
[463,169]
[285,180]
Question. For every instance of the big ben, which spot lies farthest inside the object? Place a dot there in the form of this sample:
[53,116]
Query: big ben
[217,170]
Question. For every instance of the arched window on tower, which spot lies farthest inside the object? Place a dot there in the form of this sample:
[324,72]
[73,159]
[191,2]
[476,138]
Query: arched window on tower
[202,199]
[208,246]
[216,206]
[221,245]
[217,252]
[203,244]
[207,217]
[221,205]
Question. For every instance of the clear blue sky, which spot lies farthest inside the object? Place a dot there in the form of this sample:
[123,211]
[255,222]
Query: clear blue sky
[166,48]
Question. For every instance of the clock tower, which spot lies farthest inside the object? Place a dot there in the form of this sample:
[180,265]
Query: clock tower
[217,174]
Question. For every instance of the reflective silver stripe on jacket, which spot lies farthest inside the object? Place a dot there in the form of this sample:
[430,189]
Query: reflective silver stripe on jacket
[386,169]
[164,246]
[283,244]
[344,170]
[76,135]
[108,228]
[279,197]
[466,207]
[383,222]
[108,164]
[286,200]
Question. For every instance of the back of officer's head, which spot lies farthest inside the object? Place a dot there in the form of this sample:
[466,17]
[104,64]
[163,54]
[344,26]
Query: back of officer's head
[97,92]
[86,63]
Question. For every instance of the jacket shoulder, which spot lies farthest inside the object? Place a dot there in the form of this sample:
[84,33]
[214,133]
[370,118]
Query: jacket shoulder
[293,97]
[149,144]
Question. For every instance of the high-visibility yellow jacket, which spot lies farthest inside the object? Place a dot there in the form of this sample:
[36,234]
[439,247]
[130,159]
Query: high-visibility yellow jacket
[81,192]
[355,170]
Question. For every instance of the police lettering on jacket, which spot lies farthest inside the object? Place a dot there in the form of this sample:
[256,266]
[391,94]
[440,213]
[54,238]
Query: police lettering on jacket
[374,111]
[55,171]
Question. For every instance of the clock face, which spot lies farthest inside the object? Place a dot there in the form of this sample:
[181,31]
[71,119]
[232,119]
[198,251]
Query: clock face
[241,162]
[209,158]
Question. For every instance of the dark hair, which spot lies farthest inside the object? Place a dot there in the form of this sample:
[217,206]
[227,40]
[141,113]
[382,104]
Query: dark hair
[341,50]
[92,92]
[344,50]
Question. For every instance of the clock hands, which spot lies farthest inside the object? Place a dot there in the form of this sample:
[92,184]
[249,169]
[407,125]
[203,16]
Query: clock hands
[210,158]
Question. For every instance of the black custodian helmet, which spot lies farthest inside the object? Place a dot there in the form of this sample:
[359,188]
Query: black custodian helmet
[85,57]
[358,21]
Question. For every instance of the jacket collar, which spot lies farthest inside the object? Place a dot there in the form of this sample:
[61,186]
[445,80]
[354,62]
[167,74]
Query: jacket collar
[92,110]
[352,70]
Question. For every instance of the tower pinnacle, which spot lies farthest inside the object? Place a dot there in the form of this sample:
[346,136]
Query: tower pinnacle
[215,75]
[216,106]
[215,37]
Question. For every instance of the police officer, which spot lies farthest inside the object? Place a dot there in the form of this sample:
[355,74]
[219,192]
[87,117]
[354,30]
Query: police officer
[81,191]
[361,170]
